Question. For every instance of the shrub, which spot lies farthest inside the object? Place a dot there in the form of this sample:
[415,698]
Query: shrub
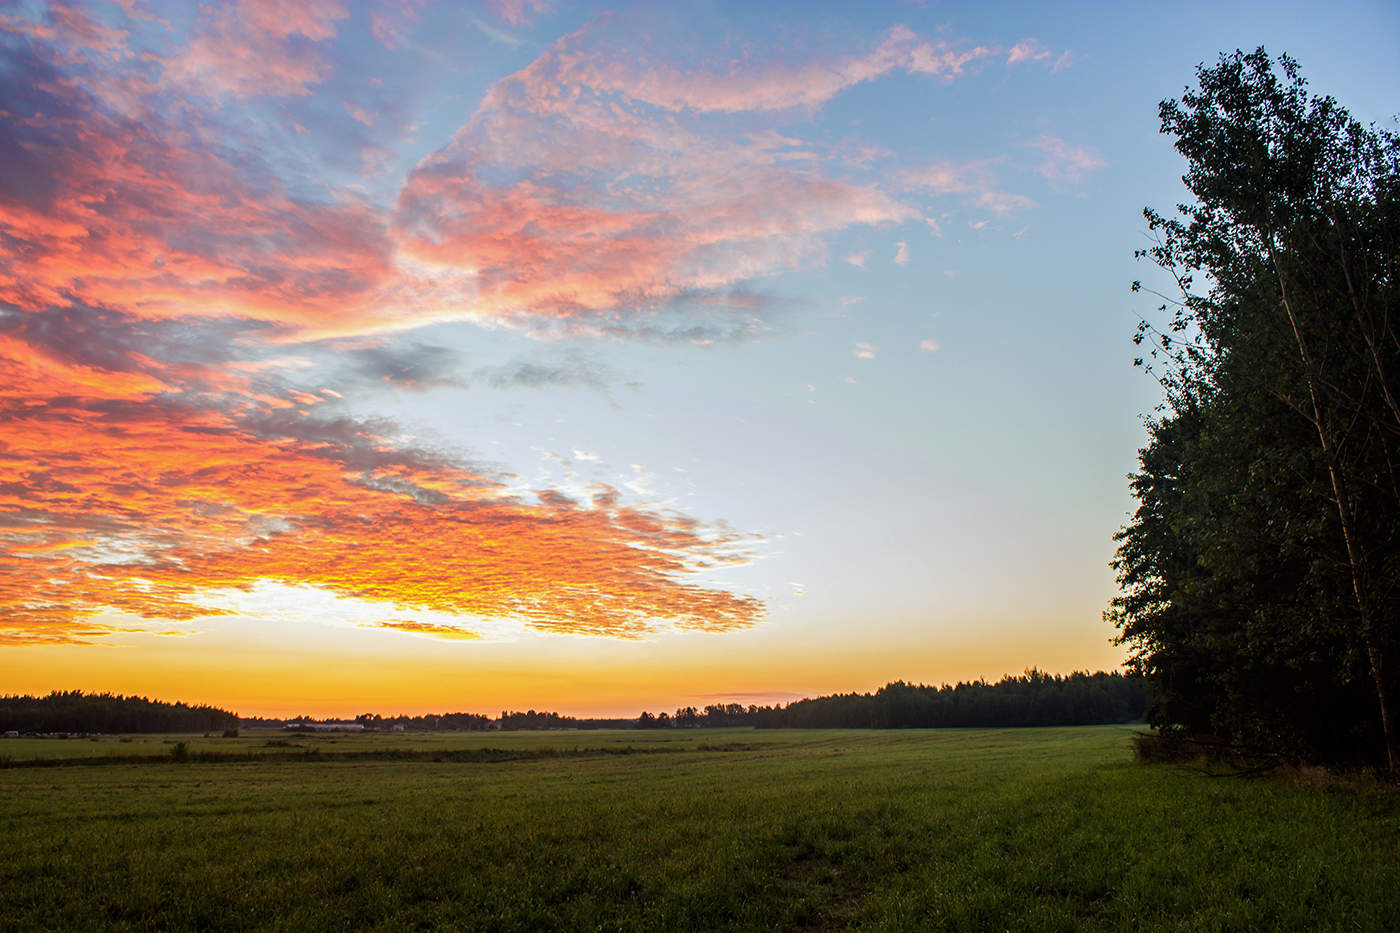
[1164,745]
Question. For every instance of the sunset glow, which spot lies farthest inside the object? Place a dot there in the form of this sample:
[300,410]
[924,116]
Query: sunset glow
[399,356]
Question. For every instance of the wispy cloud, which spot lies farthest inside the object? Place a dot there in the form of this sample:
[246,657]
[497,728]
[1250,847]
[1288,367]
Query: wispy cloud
[519,12]
[527,201]
[259,47]
[1033,51]
[1027,50]
[975,182]
[433,629]
[496,34]
[865,351]
[774,86]
[1063,161]
[901,253]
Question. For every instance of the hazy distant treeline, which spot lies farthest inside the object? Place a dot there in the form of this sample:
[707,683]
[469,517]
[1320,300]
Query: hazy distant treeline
[450,722]
[542,720]
[75,711]
[1032,699]
[478,722]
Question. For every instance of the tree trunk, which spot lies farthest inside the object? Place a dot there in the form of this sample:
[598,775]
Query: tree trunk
[1344,515]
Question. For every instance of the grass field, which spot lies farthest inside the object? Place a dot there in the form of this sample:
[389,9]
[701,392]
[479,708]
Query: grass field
[1040,829]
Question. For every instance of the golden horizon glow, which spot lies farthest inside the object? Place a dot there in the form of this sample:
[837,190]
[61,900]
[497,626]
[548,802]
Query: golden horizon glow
[242,667]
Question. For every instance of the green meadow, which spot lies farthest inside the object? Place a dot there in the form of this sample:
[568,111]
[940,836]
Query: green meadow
[1034,829]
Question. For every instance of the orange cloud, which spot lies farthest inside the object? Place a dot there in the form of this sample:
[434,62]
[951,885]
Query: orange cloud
[139,215]
[146,506]
[426,628]
[152,457]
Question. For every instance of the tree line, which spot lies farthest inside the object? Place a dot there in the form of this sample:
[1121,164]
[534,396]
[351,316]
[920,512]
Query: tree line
[75,711]
[1260,574]
[1032,699]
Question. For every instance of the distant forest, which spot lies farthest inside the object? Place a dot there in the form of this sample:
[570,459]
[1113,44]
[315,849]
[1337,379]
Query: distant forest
[1032,699]
[75,711]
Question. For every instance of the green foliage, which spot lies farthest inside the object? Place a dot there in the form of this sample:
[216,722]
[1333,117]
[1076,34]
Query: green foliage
[1027,829]
[1260,574]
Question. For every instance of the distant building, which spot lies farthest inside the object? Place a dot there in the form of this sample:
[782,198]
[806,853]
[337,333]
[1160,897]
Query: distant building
[325,726]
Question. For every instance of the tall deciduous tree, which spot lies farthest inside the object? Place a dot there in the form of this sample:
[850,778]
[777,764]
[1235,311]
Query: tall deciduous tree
[1264,551]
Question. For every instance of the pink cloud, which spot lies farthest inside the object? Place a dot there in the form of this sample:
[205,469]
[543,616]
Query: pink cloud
[1031,50]
[359,114]
[71,28]
[569,196]
[1065,162]
[593,186]
[138,219]
[519,12]
[769,86]
[975,181]
[391,20]
[259,47]
[1027,50]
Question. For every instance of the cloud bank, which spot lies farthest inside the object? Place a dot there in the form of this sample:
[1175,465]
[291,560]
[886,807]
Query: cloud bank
[170,260]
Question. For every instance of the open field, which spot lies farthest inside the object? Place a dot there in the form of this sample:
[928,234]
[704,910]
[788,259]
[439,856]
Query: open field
[1044,829]
[277,743]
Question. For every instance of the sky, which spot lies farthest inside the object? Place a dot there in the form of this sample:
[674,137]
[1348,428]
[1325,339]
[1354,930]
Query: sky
[417,357]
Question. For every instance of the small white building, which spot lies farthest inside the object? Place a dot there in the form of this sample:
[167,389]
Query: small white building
[325,726]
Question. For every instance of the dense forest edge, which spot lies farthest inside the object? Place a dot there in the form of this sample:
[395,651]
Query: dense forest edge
[1032,699]
[73,711]
[1260,574]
